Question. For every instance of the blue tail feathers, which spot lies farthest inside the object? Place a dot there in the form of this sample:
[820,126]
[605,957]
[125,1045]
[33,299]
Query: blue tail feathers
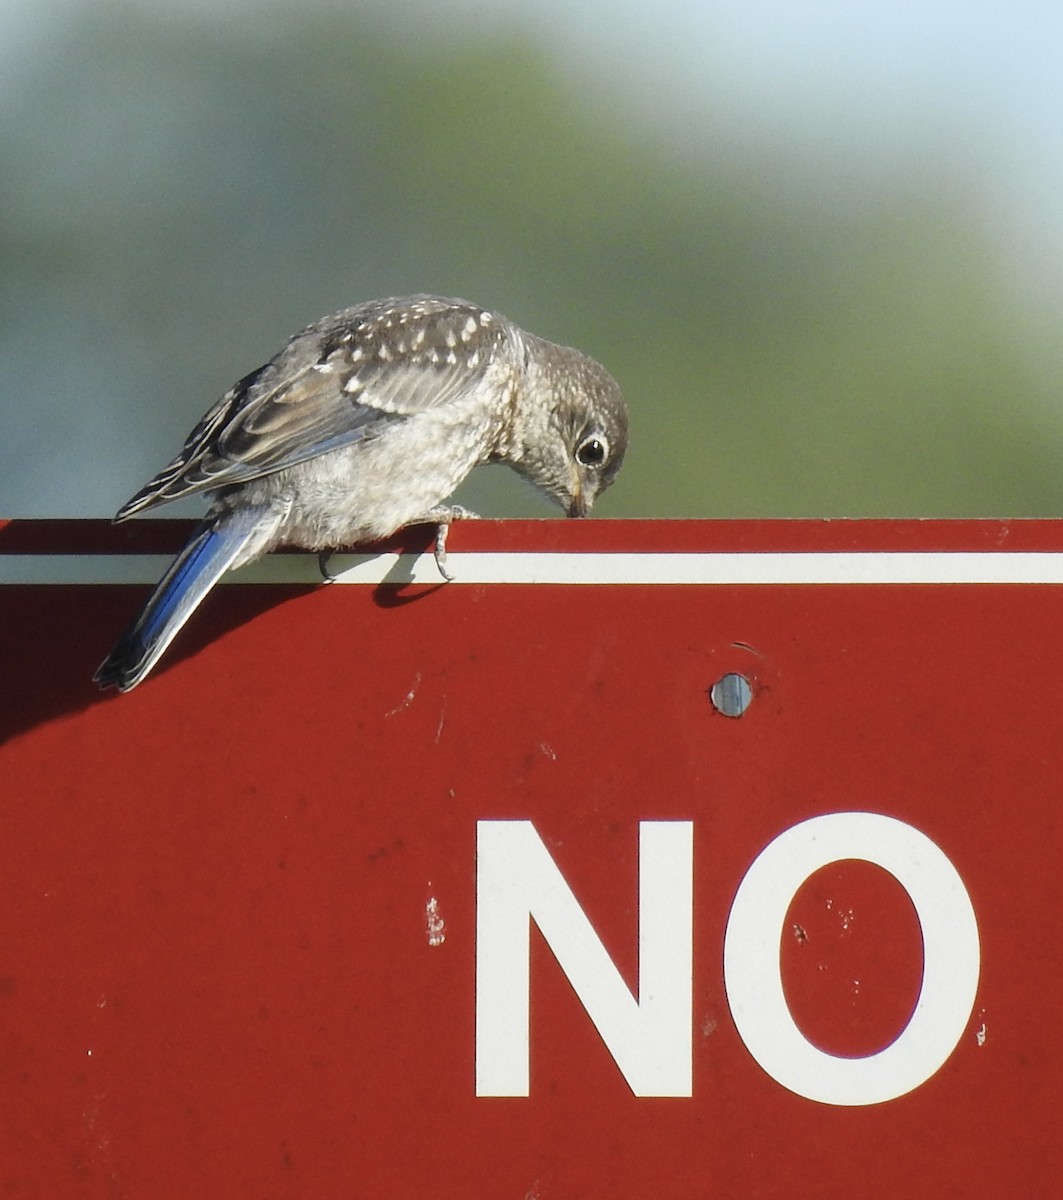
[209,553]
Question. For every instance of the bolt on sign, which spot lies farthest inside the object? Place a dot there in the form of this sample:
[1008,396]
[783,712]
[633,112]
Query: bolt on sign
[693,859]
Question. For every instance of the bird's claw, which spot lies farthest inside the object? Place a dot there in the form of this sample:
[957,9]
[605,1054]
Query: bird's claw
[322,565]
[445,517]
[441,551]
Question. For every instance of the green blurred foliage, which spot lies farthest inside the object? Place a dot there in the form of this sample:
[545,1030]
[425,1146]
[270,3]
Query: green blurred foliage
[180,197]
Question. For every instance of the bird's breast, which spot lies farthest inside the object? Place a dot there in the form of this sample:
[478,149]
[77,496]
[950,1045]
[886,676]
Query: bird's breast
[372,488]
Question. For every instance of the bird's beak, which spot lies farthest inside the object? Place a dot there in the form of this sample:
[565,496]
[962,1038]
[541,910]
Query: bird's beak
[578,506]
[579,503]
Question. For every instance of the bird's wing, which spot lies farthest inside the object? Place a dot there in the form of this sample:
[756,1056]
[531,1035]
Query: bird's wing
[341,381]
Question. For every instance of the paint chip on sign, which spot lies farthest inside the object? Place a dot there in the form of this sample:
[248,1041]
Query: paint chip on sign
[434,923]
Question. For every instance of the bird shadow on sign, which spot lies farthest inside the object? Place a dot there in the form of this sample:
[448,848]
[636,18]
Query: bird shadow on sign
[54,636]
[398,586]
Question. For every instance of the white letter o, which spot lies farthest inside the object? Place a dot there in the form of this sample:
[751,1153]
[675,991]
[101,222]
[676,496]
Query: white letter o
[951,958]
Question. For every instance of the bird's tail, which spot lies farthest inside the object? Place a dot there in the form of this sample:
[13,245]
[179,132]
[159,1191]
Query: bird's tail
[210,552]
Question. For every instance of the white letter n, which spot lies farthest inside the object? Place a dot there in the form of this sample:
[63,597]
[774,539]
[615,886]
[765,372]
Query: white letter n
[517,880]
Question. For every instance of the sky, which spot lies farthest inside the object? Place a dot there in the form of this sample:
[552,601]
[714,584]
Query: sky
[853,71]
[842,88]
[838,92]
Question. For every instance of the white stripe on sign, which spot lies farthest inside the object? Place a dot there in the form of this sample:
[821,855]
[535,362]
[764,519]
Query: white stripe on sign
[575,568]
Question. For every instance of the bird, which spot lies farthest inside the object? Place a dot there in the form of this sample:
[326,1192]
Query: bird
[365,422]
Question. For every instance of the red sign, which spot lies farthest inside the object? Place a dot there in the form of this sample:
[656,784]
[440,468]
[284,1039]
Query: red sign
[691,859]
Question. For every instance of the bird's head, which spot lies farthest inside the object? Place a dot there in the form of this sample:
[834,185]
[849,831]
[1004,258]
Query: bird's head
[575,433]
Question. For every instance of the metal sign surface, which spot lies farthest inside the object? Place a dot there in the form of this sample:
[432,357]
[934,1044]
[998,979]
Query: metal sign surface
[687,858]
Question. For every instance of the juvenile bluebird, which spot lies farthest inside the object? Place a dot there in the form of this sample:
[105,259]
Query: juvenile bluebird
[365,422]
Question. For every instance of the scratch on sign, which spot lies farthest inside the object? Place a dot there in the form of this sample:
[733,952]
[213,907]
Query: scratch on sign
[407,699]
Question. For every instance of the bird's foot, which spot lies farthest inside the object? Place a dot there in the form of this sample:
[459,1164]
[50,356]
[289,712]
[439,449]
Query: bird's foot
[322,565]
[444,516]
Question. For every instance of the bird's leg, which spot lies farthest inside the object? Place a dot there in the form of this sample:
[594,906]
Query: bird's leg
[322,565]
[444,515]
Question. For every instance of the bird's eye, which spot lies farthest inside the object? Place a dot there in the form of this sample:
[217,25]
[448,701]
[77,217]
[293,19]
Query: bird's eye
[592,451]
